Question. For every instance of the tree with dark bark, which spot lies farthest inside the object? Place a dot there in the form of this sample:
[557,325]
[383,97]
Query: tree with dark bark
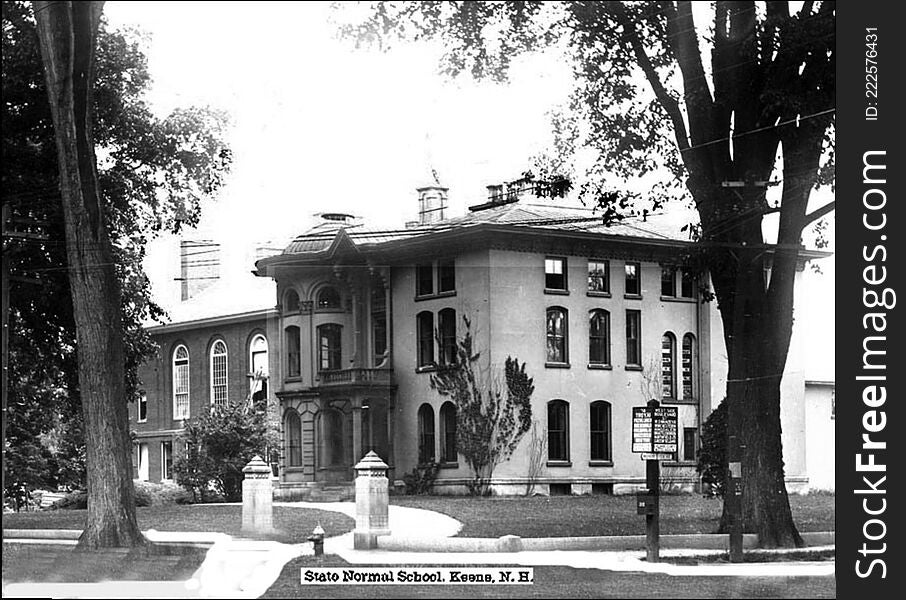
[67,34]
[650,103]
[153,175]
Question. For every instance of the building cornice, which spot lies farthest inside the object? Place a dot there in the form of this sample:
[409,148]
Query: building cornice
[213,321]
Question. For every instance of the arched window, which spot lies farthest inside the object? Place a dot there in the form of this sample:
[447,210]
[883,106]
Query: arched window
[446,325]
[557,343]
[219,374]
[600,430]
[425,434]
[181,383]
[293,352]
[448,433]
[668,366]
[258,367]
[292,427]
[558,430]
[599,337]
[424,325]
[291,301]
[329,350]
[332,447]
[690,366]
[328,298]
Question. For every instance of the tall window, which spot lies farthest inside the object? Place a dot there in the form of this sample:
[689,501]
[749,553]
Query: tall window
[328,298]
[448,433]
[689,443]
[557,430]
[424,279]
[668,281]
[142,407]
[293,352]
[291,301]
[687,287]
[181,383]
[333,448]
[166,460]
[668,366]
[329,350]
[600,430]
[633,279]
[599,337]
[555,273]
[557,349]
[689,366]
[446,325]
[144,465]
[634,338]
[258,366]
[292,426]
[219,374]
[424,322]
[425,434]
[599,276]
[446,275]
[378,320]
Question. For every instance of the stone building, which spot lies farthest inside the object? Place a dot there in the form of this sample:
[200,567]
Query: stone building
[603,316]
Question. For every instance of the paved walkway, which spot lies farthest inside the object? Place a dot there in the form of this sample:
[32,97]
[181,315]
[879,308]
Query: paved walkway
[246,569]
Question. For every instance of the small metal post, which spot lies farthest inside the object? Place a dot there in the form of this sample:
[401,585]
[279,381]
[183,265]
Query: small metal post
[734,496]
[317,540]
[652,519]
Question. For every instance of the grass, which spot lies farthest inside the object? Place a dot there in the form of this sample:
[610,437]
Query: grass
[293,525]
[51,564]
[568,516]
[560,582]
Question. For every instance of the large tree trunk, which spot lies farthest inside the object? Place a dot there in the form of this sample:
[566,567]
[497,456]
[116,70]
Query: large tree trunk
[67,33]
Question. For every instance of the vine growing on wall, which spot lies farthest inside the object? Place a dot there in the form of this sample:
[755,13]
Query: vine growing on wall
[492,415]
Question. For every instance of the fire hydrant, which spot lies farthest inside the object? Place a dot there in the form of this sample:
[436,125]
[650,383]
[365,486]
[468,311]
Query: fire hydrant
[317,540]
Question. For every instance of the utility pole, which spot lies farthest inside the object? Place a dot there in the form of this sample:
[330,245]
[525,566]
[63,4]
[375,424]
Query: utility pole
[5,382]
[735,448]
[32,228]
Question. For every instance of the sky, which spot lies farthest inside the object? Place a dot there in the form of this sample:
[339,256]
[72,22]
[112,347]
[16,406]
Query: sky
[317,126]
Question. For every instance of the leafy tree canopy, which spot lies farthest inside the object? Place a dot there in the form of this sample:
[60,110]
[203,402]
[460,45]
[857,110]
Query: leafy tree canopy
[153,172]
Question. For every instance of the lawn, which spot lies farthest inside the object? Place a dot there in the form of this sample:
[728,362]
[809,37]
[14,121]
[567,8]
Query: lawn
[49,564]
[560,582]
[293,525]
[567,516]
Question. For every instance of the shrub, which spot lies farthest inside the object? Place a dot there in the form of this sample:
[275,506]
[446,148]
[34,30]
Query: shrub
[421,479]
[158,494]
[76,500]
[218,446]
[712,458]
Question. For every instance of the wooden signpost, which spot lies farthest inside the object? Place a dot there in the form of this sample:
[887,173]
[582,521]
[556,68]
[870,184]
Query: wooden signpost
[654,436]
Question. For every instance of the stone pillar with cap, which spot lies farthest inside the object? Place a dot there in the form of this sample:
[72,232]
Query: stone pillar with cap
[257,498]
[372,500]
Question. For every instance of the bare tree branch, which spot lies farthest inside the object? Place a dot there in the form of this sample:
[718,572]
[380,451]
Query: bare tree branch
[820,212]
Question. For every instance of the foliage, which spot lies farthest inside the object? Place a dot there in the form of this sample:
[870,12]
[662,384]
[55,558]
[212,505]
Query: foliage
[156,494]
[537,452]
[218,446]
[153,174]
[421,479]
[648,106]
[712,457]
[491,418]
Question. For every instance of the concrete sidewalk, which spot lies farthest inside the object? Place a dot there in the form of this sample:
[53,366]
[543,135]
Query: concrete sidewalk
[238,568]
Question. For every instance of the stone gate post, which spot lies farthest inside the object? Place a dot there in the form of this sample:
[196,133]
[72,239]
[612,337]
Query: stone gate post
[372,497]
[257,498]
